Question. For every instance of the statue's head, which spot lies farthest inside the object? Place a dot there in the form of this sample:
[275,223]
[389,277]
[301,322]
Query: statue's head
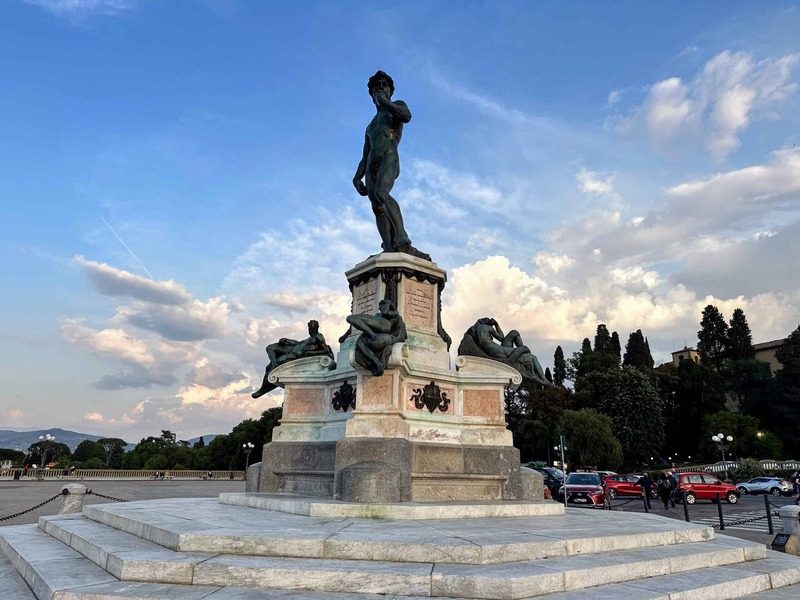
[486,321]
[379,77]
[385,306]
[313,327]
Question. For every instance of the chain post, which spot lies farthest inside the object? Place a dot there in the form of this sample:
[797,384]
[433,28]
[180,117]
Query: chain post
[769,515]
[685,508]
[719,511]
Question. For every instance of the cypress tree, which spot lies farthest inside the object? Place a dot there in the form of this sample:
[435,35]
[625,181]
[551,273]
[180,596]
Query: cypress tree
[637,354]
[617,347]
[712,344]
[740,340]
[559,367]
[547,375]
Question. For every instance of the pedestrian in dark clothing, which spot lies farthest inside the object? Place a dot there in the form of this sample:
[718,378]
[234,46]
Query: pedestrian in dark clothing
[672,479]
[663,489]
[795,481]
[647,487]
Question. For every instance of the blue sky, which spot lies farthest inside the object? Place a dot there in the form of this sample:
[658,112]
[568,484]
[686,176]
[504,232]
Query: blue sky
[176,184]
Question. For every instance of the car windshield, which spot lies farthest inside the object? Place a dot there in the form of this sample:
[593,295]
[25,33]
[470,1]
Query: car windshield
[583,479]
[557,473]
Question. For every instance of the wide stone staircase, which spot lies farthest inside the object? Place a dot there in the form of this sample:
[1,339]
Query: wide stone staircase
[188,549]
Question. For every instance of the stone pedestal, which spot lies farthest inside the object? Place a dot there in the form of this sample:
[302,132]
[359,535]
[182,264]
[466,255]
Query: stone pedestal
[420,432]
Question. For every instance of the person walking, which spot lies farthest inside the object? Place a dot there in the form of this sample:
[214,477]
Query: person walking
[647,486]
[795,481]
[672,480]
[663,489]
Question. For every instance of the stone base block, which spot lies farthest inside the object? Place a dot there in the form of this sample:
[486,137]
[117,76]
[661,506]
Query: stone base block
[370,482]
[300,468]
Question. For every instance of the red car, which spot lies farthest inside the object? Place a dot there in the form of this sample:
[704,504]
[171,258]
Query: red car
[585,489]
[704,486]
[625,485]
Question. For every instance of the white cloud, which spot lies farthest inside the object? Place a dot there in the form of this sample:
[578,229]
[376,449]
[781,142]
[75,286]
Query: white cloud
[81,9]
[614,96]
[719,102]
[111,281]
[110,342]
[95,417]
[553,263]
[191,322]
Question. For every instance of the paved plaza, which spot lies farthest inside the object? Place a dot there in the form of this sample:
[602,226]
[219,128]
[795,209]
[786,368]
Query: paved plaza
[16,496]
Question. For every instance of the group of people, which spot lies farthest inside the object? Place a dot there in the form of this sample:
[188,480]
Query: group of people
[794,479]
[665,487]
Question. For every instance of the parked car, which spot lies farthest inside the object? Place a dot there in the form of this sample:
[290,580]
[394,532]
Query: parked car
[625,485]
[704,486]
[553,478]
[585,489]
[765,485]
[604,474]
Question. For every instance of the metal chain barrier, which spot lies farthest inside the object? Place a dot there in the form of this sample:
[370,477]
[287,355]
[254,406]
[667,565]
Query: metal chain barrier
[608,505]
[99,495]
[40,505]
[743,521]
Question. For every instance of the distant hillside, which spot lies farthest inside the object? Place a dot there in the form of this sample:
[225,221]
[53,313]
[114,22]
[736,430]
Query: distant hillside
[206,438]
[24,439]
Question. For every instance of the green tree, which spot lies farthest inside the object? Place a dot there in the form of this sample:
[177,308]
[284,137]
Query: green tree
[590,440]
[159,462]
[637,352]
[747,382]
[789,357]
[15,456]
[712,344]
[88,450]
[559,367]
[144,450]
[94,463]
[44,453]
[743,428]
[114,449]
[199,443]
[689,392]
[740,340]
[629,398]
[615,343]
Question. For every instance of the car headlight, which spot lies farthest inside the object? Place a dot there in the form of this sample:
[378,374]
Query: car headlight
[596,492]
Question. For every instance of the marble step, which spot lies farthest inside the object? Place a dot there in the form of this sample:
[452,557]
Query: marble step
[12,585]
[123,555]
[769,579]
[211,527]
[47,565]
[152,591]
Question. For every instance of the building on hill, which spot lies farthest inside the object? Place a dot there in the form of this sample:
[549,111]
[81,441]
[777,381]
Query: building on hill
[765,352]
[685,354]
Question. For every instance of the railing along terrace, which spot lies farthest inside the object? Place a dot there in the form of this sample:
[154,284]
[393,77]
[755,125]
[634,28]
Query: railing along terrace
[120,474]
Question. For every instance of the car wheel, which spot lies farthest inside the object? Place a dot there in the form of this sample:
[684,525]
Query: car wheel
[742,490]
[731,498]
[691,498]
[775,491]
[612,493]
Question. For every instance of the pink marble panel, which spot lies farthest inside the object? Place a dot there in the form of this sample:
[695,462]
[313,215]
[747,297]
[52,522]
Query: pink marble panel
[482,403]
[304,401]
[377,391]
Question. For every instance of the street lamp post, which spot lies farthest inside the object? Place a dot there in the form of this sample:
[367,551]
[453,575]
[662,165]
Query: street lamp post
[561,448]
[248,448]
[44,443]
[723,442]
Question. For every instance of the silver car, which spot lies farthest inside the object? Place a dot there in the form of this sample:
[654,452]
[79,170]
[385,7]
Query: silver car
[765,485]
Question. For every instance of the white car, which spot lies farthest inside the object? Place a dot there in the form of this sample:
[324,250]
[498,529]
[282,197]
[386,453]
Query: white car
[765,485]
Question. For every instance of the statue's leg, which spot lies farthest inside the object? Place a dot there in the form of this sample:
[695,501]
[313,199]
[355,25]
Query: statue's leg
[382,220]
[384,182]
[512,339]
[266,386]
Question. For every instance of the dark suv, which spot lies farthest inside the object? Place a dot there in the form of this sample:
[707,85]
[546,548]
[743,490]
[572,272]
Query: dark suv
[553,478]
